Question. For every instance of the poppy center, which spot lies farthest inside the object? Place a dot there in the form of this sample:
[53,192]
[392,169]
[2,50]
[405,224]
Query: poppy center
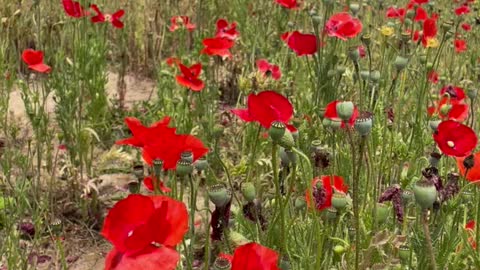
[108,17]
[450,144]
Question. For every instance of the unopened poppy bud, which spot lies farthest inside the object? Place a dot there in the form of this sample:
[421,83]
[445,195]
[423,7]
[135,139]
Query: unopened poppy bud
[187,156]
[339,200]
[287,140]
[201,164]
[138,171]
[300,203]
[400,62]
[184,168]
[355,8]
[469,162]
[422,58]
[375,76]
[434,124]
[407,22]
[219,195]
[472,93]
[316,19]
[339,249]
[353,53]
[276,131]
[365,74]
[157,168]
[404,253]
[363,124]
[340,69]
[434,159]
[345,110]
[351,232]
[218,131]
[410,14]
[425,193]
[248,191]
[222,264]
[382,212]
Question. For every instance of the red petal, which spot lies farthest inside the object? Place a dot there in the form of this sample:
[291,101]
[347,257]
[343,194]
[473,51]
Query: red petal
[474,173]
[462,137]
[263,65]
[41,68]
[339,185]
[169,222]
[151,258]
[243,114]
[193,84]
[269,106]
[32,57]
[253,256]
[196,69]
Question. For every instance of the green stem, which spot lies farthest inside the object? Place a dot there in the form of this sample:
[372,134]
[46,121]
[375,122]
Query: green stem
[428,239]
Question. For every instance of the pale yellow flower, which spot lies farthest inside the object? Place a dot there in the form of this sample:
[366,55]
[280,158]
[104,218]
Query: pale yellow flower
[387,30]
[432,43]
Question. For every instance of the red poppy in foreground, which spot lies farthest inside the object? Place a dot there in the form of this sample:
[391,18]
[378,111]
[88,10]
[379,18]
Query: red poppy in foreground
[181,21]
[144,231]
[473,173]
[252,256]
[114,18]
[290,4]
[343,26]
[332,114]
[301,44]
[268,69]
[455,139]
[460,45]
[225,30]
[189,77]
[322,190]
[142,134]
[265,108]
[217,46]
[34,60]
[169,149]
[74,9]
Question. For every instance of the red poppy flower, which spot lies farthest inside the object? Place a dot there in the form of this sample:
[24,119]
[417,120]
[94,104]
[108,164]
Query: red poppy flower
[224,30]
[449,110]
[114,18]
[461,10]
[170,148]
[142,134]
[361,51]
[433,77]
[181,21]
[74,9]
[470,227]
[217,46]
[455,139]
[332,114]
[148,182]
[253,256]
[290,4]
[419,2]
[189,77]
[420,15]
[171,61]
[144,231]
[396,13]
[34,60]
[322,190]
[473,174]
[301,44]
[466,26]
[343,25]
[429,30]
[455,93]
[460,45]
[266,108]
[268,69]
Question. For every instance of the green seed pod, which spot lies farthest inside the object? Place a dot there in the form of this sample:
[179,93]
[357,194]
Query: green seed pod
[365,75]
[187,156]
[375,76]
[340,69]
[472,93]
[404,253]
[434,159]
[201,164]
[276,131]
[339,200]
[355,8]
[291,156]
[287,140]
[184,168]
[400,63]
[407,196]
[345,110]
[284,263]
[366,39]
[434,124]
[222,264]
[316,19]
[248,191]
[56,225]
[364,123]
[425,193]
[382,212]
[218,131]
[300,203]
[331,213]
[138,171]
[219,195]
[339,249]
[422,58]
[157,168]
[353,53]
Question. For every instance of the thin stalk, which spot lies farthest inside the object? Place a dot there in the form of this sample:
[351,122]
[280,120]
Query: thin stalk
[428,239]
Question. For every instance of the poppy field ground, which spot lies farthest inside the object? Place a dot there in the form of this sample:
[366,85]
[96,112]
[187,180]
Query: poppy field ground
[241,134]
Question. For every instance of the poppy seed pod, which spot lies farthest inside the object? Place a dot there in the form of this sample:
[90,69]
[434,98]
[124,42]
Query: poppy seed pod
[375,76]
[447,25]
[425,193]
[187,156]
[316,19]
[292,157]
[248,191]
[345,110]
[382,212]
[219,195]
[400,63]
[138,171]
[434,159]
[56,225]
[276,131]
[363,124]
[434,124]
[201,164]
[287,140]
[366,39]
[222,264]
[469,162]
[218,131]
[355,8]
[404,253]
[284,263]
[353,53]
[300,203]
[365,75]
[184,168]
[445,109]
[157,168]
[339,200]
[340,69]
[331,213]
[407,196]
[472,93]
[284,157]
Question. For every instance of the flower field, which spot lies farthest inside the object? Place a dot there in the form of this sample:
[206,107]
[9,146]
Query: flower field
[242,134]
